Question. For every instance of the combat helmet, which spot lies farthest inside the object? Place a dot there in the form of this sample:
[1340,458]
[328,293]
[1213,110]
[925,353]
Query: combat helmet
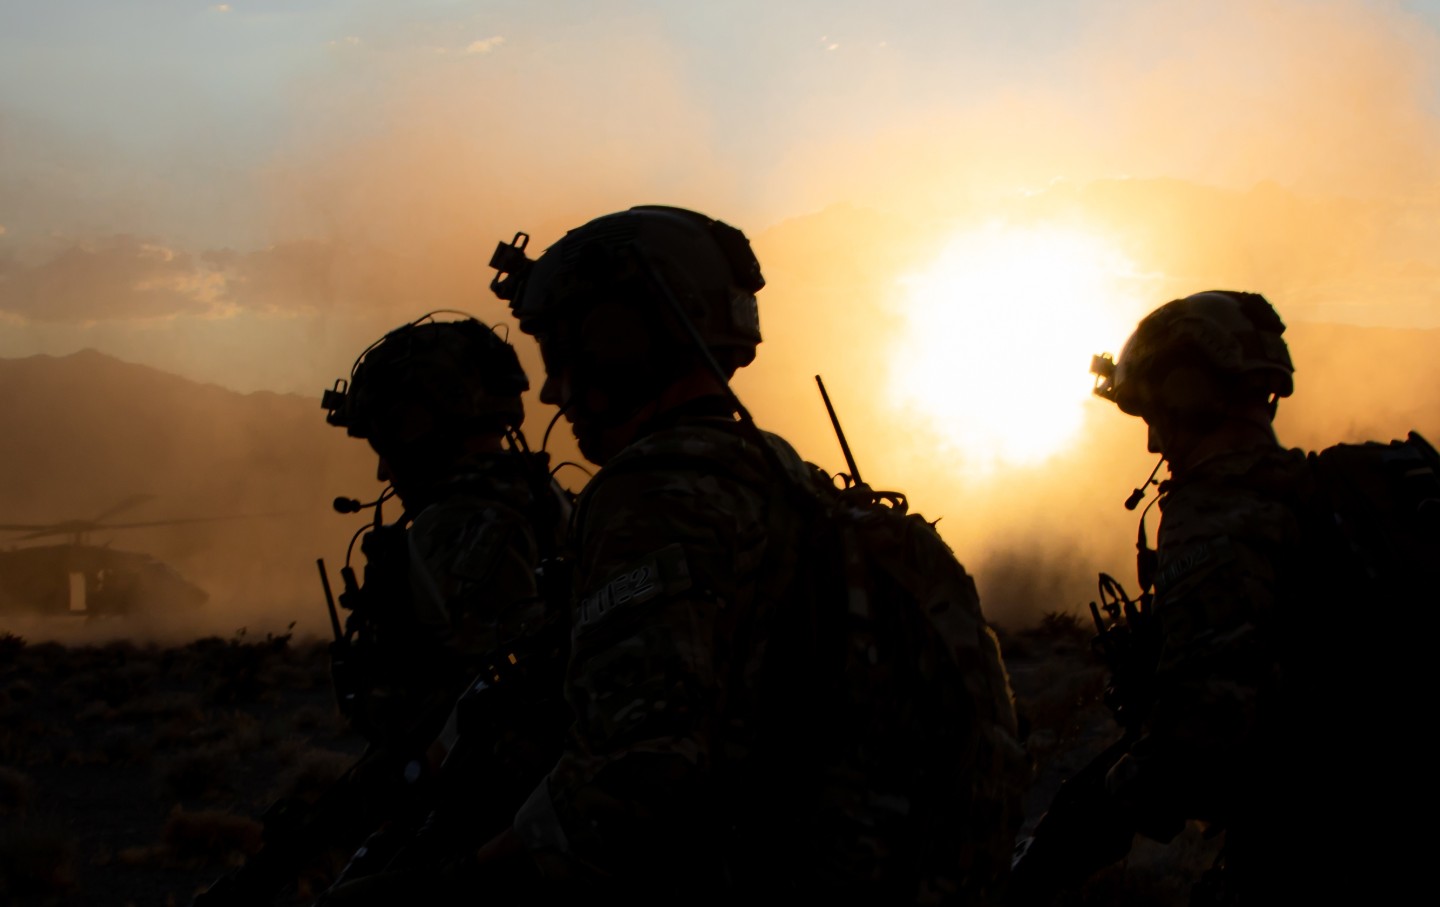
[430,382]
[650,255]
[1232,334]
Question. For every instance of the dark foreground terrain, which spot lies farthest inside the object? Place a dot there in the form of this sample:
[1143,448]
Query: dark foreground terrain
[135,774]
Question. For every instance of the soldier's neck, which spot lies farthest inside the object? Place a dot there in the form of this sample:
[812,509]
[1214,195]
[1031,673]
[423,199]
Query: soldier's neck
[696,388]
[1231,436]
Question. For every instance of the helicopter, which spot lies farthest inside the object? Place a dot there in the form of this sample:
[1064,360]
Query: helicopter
[79,579]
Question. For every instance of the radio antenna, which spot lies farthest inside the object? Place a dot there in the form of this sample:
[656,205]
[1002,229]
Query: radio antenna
[839,432]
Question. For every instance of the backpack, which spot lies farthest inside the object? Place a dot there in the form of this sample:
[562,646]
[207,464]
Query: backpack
[1379,505]
[1382,506]
[909,701]
[876,751]
[1372,570]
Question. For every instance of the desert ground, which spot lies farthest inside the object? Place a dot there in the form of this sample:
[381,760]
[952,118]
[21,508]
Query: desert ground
[136,774]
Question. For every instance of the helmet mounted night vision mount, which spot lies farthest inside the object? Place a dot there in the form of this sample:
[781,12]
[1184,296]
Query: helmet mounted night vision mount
[1103,368]
[511,266]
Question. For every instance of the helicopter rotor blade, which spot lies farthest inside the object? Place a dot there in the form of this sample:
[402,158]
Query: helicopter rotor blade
[133,501]
[176,522]
[75,527]
[78,527]
[183,520]
[44,532]
[64,527]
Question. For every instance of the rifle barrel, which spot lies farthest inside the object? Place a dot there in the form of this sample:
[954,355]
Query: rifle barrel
[329,598]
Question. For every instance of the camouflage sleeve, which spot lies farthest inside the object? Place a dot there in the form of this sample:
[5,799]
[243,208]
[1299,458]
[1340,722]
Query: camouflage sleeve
[665,558]
[1218,587]
[472,569]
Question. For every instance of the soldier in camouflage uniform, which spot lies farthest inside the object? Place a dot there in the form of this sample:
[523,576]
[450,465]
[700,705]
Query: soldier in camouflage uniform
[439,402]
[450,592]
[1242,725]
[697,770]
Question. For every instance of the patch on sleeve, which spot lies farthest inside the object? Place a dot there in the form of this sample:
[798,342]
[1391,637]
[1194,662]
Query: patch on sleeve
[662,572]
[1198,558]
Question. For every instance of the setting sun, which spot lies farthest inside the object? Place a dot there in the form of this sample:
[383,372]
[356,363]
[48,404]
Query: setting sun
[998,335]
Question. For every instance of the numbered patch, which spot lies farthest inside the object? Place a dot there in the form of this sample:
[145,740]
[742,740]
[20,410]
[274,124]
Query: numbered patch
[1193,559]
[661,572]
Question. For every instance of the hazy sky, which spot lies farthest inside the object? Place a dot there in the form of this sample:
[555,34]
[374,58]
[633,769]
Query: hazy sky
[246,192]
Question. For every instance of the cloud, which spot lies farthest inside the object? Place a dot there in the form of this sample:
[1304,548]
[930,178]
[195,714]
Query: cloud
[123,278]
[221,7]
[1319,97]
[3,231]
[485,45]
[1321,257]
[114,277]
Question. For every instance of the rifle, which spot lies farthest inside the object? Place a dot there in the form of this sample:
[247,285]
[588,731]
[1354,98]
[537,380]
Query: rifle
[471,784]
[1086,829]
[375,787]
[1083,831]
[296,832]
[393,805]
[1127,639]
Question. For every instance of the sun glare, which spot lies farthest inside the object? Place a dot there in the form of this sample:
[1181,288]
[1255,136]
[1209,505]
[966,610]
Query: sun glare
[998,335]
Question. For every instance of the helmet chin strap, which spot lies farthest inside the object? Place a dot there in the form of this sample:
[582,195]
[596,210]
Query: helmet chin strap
[559,411]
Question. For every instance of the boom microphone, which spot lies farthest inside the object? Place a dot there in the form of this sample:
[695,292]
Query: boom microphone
[1130,503]
[353,505]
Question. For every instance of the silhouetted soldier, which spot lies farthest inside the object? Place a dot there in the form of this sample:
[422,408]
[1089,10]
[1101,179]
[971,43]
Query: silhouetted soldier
[439,402]
[752,722]
[1251,702]
[451,595]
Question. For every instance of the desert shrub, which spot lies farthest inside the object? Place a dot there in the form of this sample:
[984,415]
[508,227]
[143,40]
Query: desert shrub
[17,790]
[34,863]
[117,651]
[99,710]
[137,675]
[245,732]
[71,754]
[192,660]
[12,742]
[209,837]
[286,676]
[199,771]
[126,745]
[86,686]
[143,856]
[42,659]
[311,717]
[1015,647]
[19,691]
[1066,625]
[10,646]
[289,750]
[1059,699]
[319,668]
[314,771]
[238,670]
[173,705]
